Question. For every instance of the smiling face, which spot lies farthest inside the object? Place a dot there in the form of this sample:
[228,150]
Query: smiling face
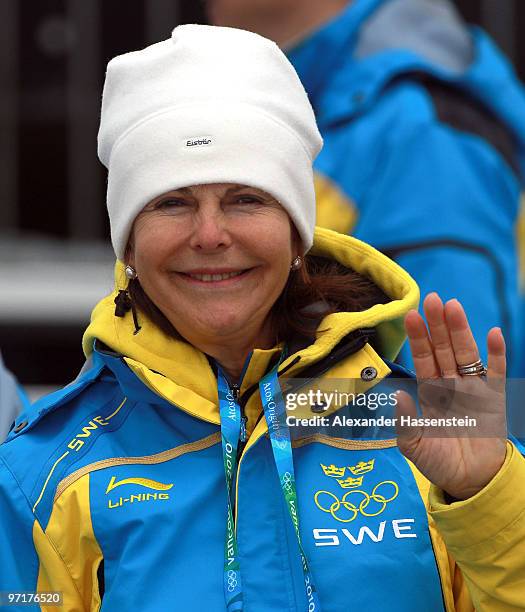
[214,259]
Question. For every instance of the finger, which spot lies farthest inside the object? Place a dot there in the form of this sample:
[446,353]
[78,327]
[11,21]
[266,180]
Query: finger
[497,360]
[439,335]
[420,346]
[408,436]
[463,343]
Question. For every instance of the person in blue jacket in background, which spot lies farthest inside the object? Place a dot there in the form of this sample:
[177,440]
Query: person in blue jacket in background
[12,400]
[424,127]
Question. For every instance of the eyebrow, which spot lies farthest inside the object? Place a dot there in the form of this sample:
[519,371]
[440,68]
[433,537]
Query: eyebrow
[237,187]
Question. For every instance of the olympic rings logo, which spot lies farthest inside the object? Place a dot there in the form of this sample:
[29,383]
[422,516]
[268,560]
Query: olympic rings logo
[354,510]
[232,580]
[287,482]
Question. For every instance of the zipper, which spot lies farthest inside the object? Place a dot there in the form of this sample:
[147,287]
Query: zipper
[235,391]
[243,435]
[242,401]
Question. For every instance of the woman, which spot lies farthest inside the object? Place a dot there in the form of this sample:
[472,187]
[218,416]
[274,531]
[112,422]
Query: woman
[164,477]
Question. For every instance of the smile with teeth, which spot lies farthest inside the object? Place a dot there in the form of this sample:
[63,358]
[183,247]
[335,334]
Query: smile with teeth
[210,278]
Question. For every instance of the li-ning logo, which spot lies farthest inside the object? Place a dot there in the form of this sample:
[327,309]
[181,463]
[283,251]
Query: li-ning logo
[140,497]
[198,142]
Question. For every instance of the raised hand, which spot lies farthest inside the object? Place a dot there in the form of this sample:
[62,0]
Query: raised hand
[461,463]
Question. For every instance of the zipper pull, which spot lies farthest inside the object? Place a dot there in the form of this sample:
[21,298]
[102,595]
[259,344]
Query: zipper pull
[235,391]
[243,435]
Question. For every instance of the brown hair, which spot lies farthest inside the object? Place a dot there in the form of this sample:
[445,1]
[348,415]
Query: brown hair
[322,286]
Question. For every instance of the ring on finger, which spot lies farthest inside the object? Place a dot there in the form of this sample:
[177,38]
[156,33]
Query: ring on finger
[477,368]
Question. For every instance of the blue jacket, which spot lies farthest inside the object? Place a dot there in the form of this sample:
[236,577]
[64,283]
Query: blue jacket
[424,155]
[112,490]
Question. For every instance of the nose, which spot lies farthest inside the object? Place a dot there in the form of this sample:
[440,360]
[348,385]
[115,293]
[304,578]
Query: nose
[210,231]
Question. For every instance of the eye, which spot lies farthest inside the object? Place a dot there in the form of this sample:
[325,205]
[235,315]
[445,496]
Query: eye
[170,203]
[247,199]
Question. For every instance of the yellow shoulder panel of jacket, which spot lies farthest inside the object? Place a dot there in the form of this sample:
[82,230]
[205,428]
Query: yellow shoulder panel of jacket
[66,548]
[335,210]
[520,239]
[486,536]
[455,592]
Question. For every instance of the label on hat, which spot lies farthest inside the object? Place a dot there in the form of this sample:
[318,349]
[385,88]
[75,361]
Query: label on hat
[198,142]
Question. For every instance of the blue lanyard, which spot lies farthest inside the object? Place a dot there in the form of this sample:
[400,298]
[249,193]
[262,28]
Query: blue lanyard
[233,430]
[275,414]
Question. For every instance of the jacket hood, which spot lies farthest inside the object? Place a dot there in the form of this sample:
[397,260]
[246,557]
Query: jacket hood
[180,362]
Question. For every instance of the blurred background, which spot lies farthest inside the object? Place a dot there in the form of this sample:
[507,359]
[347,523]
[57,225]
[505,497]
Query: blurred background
[55,257]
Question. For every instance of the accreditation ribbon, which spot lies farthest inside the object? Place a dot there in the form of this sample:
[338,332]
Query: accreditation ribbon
[275,414]
[231,422]
[230,413]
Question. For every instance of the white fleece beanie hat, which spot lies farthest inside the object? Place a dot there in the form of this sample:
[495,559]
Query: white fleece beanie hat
[210,105]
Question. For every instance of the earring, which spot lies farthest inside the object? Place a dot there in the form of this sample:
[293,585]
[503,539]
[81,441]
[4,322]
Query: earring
[296,263]
[131,273]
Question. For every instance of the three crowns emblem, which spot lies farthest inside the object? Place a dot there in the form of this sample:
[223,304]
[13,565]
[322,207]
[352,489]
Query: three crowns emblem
[354,479]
